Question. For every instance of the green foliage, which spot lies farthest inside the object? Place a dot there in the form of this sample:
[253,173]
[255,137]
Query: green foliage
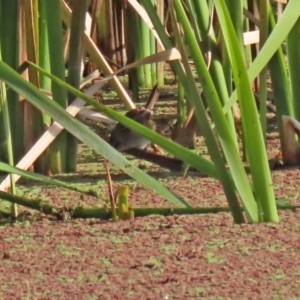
[195,36]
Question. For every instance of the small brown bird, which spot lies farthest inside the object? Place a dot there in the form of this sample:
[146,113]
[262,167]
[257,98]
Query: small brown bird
[122,138]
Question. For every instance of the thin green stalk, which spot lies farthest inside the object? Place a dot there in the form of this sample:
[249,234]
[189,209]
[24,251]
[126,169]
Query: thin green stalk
[74,70]
[135,28]
[263,35]
[293,54]
[280,84]
[222,79]
[4,111]
[10,27]
[43,53]
[153,51]
[247,27]
[144,39]
[32,129]
[6,126]
[193,18]
[160,6]
[10,51]
[130,46]
[235,9]
[134,52]
[58,150]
